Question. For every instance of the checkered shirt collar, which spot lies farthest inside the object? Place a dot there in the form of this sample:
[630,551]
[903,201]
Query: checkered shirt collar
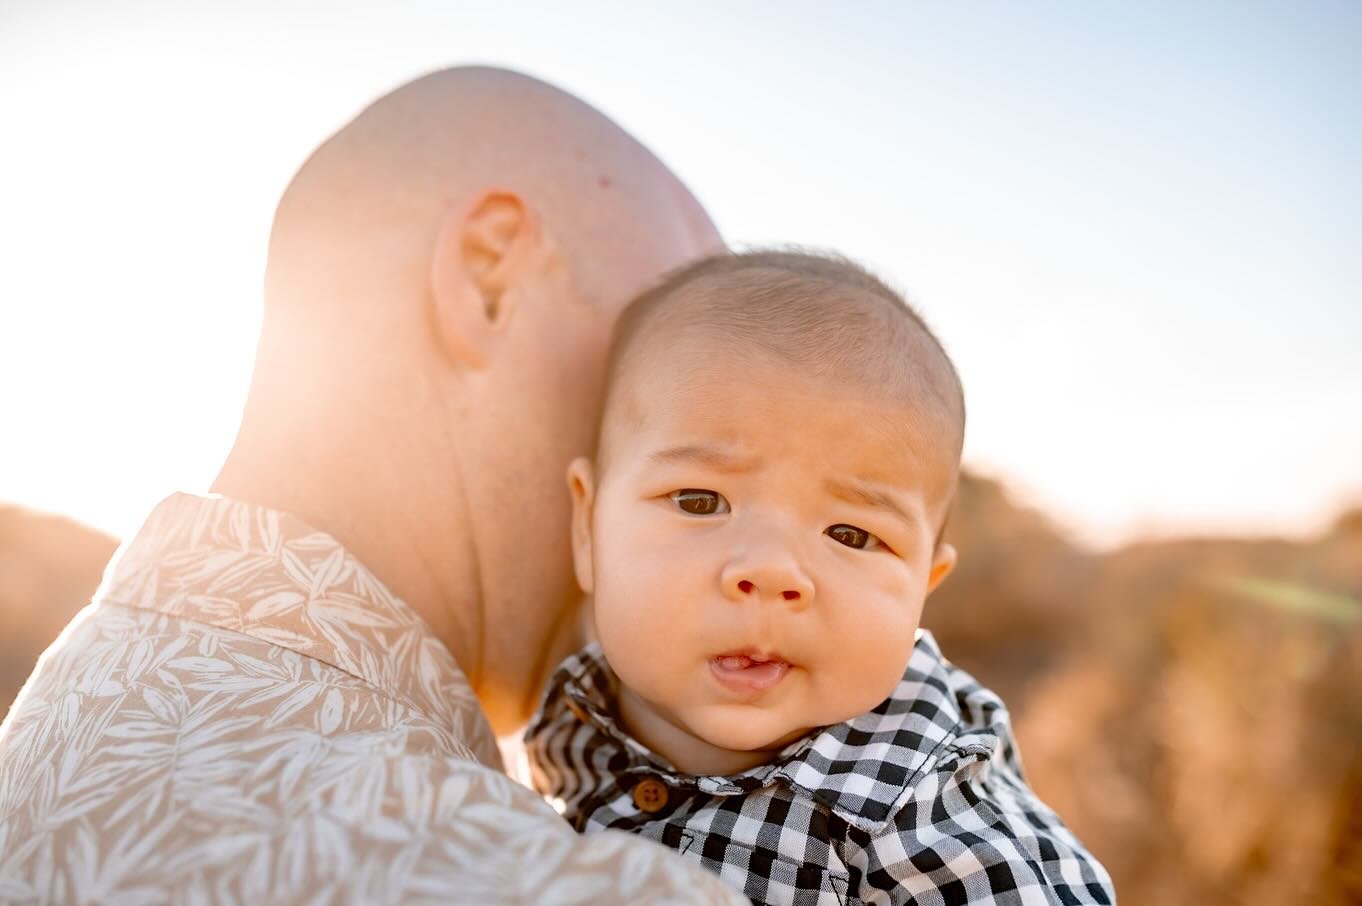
[863,769]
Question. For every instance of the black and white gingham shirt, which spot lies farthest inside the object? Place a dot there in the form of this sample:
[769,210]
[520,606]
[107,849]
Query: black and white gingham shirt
[920,801]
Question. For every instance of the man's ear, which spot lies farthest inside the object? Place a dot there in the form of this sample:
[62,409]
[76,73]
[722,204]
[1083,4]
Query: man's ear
[943,561]
[581,484]
[480,254]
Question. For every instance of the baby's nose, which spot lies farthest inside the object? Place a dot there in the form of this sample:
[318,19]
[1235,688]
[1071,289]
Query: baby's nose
[773,577]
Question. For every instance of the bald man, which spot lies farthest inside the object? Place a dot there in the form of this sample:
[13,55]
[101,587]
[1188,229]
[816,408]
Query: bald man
[288,691]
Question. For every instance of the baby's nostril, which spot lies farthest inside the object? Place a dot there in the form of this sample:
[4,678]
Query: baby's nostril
[745,587]
[790,595]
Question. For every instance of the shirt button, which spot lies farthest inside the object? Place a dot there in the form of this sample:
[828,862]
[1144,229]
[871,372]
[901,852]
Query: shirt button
[650,795]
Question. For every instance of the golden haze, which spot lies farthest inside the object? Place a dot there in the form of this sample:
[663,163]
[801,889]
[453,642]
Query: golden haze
[1193,708]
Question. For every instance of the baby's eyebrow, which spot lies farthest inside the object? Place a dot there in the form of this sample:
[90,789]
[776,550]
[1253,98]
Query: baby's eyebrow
[857,492]
[716,458]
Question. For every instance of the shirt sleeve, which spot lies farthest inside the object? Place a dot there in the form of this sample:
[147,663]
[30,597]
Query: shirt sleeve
[973,832]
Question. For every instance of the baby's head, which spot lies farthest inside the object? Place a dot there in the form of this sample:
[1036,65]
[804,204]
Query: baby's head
[778,452]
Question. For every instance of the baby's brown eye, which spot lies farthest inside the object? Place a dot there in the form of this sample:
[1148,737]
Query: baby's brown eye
[852,536]
[699,502]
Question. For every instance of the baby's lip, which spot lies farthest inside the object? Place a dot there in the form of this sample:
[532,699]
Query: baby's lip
[748,671]
[755,655]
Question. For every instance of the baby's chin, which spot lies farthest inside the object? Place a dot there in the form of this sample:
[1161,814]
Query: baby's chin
[746,732]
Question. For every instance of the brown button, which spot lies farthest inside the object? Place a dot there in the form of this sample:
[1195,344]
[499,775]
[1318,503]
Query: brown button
[650,795]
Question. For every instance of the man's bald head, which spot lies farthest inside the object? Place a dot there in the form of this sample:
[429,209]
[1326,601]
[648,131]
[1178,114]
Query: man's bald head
[443,275]
[618,214]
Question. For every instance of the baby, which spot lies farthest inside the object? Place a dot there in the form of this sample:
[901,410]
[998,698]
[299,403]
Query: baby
[779,448]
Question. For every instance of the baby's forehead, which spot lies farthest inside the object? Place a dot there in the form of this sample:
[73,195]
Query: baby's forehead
[873,390]
[818,314]
[694,404]
[822,321]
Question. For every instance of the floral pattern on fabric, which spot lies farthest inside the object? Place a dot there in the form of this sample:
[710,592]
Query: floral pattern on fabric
[246,713]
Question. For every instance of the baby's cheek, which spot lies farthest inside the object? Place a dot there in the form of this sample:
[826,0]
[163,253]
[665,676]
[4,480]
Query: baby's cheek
[633,596]
[869,655]
[628,629]
[642,629]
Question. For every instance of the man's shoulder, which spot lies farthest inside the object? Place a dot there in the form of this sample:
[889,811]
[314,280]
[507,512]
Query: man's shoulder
[152,751]
[397,828]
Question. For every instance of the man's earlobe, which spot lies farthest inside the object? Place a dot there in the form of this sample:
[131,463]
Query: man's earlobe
[480,252]
[582,487]
[943,561]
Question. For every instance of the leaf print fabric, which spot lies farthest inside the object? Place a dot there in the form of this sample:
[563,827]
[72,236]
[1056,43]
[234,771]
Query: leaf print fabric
[246,714]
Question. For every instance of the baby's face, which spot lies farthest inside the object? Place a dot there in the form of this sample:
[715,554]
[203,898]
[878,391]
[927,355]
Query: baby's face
[759,548]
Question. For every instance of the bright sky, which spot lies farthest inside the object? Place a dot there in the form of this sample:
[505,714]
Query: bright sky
[1136,226]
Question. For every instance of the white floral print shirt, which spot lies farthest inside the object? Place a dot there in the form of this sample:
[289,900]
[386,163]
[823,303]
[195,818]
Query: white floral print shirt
[245,713]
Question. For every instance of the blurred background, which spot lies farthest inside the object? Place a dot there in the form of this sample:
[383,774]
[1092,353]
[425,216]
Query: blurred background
[1135,227]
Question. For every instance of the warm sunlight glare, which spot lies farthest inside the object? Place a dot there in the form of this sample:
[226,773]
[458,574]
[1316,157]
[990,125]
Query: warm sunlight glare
[1145,275]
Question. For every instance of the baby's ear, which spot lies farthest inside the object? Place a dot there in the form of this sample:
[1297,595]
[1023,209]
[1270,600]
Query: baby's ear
[581,485]
[943,561]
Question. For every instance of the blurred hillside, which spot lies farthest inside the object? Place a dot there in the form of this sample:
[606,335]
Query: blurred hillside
[1193,709]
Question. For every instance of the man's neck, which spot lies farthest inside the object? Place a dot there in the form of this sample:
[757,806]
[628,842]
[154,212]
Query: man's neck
[420,551]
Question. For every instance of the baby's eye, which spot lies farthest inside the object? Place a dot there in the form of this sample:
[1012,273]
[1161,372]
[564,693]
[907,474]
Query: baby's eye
[699,502]
[852,536]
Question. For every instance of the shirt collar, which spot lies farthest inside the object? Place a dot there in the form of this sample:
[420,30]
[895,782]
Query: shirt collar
[269,575]
[906,735]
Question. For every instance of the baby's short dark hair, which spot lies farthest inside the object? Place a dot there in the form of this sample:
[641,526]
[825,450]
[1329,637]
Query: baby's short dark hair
[820,312]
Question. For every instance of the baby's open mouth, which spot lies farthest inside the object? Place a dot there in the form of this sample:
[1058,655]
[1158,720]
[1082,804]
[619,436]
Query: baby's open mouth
[749,671]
